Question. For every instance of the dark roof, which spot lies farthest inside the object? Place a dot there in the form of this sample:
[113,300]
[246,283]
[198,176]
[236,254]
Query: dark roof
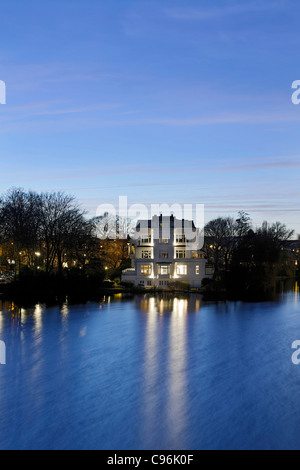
[174,223]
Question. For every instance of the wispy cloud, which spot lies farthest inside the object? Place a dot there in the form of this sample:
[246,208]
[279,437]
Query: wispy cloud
[46,109]
[63,79]
[196,14]
[261,164]
[224,119]
[81,173]
[29,119]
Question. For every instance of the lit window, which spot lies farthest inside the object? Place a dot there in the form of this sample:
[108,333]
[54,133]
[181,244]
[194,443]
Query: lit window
[181,270]
[180,254]
[197,270]
[164,270]
[197,255]
[146,270]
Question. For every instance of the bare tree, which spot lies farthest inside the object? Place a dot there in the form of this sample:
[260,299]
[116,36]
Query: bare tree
[222,236]
[63,227]
[277,232]
[19,222]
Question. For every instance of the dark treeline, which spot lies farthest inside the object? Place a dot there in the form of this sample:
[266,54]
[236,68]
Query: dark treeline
[48,244]
[249,262]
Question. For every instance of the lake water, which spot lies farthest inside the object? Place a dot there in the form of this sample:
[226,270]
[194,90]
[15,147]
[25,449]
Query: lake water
[151,373]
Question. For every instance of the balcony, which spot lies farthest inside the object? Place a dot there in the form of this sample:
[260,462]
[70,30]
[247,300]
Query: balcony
[144,242]
[164,276]
[129,272]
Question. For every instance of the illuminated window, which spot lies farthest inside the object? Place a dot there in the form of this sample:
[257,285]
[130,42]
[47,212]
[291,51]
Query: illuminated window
[146,270]
[197,255]
[180,254]
[164,270]
[197,270]
[181,270]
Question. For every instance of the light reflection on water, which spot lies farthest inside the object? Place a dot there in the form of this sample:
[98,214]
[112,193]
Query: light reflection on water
[65,309]
[297,292]
[152,372]
[175,362]
[38,318]
[177,368]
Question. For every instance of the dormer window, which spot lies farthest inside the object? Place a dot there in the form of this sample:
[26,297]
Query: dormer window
[180,238]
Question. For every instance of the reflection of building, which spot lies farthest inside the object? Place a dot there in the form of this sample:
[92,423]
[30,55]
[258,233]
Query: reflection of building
[166,251]
[167,304]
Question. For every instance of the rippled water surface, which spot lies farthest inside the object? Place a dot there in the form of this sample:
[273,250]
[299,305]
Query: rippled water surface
[150,373]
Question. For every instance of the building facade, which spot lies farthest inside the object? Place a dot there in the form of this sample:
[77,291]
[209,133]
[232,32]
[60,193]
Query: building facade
[165,252]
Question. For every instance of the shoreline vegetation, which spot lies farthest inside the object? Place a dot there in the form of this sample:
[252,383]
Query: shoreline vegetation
[50,250]
[29,291]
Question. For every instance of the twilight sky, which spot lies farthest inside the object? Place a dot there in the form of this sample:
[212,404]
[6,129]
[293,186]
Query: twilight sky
[165,101]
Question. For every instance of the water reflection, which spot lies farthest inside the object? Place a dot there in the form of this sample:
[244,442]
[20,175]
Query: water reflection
[37,316]
[297,292]
[149,374]
[5,307]
[169,304]
[151,371]
[166,368]
[65,309]
[177,369]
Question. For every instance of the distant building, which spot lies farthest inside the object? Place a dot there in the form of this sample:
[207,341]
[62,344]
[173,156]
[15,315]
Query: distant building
[162,255]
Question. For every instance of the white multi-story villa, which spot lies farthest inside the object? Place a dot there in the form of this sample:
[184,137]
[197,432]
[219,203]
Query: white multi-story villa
[166,250]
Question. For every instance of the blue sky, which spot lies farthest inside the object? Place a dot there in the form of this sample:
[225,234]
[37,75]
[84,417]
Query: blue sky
[163,101]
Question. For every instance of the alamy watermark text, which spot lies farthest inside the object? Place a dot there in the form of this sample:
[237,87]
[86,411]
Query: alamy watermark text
[2,92]
[135,221]
[2,353]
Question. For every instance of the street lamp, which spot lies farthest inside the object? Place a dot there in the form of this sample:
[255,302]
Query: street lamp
[37,254]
